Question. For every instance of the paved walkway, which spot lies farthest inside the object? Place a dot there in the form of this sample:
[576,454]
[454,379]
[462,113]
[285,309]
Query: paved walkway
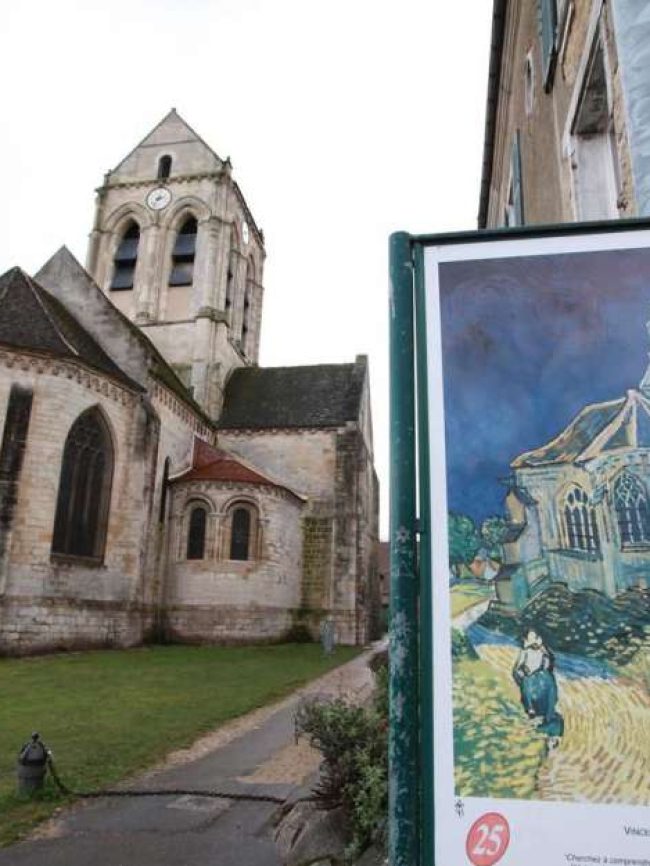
[254,754]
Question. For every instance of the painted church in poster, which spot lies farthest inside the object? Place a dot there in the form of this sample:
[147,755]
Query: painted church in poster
[579,506]
[155,481]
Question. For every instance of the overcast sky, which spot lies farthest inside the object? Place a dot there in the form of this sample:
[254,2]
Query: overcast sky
[344,121]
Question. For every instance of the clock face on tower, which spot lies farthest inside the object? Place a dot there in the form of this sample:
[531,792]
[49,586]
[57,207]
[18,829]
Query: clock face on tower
[159,198]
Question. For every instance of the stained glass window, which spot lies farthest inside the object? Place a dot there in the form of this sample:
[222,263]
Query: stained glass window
[84,488]
[632,512]
[240,534]
[196,533]
[580,521]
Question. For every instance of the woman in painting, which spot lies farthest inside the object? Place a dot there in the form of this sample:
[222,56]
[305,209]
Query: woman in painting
[533,673]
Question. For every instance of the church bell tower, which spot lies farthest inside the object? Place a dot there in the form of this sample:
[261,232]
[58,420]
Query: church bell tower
[177,250]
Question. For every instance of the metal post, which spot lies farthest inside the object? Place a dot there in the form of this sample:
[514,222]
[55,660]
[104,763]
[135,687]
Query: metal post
[427,810]
[403,816]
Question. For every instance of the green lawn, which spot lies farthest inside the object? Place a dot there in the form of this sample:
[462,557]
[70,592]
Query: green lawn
[106,714]
[466,595]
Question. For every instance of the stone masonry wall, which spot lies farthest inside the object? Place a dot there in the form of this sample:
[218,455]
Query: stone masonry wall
[258,594]
[61,392]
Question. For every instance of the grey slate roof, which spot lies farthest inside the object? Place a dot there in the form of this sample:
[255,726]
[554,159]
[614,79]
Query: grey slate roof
[573,440]
[30,318]
[324,395]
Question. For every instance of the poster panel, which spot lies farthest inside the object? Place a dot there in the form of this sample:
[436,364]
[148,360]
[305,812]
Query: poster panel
[539,418]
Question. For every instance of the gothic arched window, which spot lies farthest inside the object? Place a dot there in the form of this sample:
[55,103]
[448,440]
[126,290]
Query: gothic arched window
[164,167]
[243,531]
[84,488]
[126,257]
[196,532]
[182,271]
[632,511]
[580,521]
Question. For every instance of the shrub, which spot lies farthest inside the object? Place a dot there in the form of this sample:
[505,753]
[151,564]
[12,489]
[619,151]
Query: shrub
[354,773]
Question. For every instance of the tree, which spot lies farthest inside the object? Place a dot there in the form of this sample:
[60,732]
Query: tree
[464,541]
[493,533]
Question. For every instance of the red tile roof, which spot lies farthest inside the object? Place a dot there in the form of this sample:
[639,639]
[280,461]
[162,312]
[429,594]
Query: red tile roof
[215,464]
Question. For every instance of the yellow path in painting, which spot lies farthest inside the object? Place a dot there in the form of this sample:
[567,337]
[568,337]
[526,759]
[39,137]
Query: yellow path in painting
[604,756]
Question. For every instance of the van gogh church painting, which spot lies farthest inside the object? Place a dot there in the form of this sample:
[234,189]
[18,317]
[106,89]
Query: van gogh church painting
[547,423]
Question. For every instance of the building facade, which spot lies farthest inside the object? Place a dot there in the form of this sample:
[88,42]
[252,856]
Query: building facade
[568,113]
[155,482]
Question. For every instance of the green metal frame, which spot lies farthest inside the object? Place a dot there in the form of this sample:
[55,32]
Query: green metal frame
[411,755]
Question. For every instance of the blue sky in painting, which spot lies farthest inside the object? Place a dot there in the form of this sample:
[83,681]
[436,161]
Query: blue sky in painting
[526,343]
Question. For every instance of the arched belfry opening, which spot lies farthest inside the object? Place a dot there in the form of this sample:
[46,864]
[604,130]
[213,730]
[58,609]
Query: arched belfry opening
[126,258]
[182,270]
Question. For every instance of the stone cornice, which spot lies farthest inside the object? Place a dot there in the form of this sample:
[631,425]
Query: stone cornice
[33,362]
[168,398]
[153,182]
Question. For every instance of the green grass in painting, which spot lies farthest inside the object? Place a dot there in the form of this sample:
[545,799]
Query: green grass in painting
[106,714]
[466,595]
[497,751]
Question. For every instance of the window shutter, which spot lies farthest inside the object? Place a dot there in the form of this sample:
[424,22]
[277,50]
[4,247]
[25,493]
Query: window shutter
[517,189]
[548,24]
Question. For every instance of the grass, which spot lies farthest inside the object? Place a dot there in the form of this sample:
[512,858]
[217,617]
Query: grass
[466,595]
[106,714]
[497,754]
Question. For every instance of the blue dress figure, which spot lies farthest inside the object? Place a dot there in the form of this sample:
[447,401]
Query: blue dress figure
[533,673]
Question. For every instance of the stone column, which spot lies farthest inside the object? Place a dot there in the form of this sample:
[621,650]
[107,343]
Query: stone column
[146,286]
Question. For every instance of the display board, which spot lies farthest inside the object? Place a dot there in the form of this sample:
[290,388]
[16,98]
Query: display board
[538,406]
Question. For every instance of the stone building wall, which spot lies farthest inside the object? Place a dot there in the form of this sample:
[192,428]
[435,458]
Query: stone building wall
[545,120]
[48,603]
[217,598]
[333,467]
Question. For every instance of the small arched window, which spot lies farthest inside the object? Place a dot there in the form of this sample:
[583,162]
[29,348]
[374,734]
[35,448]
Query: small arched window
[126,257]
[164,167]
[84,489]
[240,533]
[632,511]
[182,271]
[580,521]
[196,532]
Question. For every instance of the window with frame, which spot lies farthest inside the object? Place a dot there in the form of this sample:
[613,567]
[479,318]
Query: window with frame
[594,158]
[632,510]
[514,207]
[126,258]
[196,532]
[182,270]
[83,500]
[548,29]
[580,521]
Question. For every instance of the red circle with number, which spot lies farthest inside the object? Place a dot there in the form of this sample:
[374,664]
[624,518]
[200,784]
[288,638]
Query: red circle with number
[488,839]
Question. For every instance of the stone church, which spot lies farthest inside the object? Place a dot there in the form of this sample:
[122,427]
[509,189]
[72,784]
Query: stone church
[155,482]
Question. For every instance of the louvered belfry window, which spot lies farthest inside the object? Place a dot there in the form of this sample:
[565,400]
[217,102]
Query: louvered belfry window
[84,489]
[182,272]
[125,259]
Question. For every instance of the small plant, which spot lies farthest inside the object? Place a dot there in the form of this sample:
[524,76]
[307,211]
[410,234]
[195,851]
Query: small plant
[354,774]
